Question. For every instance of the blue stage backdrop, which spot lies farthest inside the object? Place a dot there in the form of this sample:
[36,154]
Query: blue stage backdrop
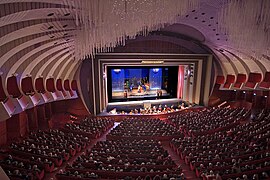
[134,76]
[155,78]
[118,79]
[141,82]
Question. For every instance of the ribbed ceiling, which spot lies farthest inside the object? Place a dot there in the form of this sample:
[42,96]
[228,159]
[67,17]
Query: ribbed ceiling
[37,39]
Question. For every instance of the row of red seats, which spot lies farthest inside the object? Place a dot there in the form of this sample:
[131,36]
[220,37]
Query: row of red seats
[241,151]
[48,149]
[207,121]
[124,157]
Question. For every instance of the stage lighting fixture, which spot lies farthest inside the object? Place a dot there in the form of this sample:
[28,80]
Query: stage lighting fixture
[117,70]
[155,70]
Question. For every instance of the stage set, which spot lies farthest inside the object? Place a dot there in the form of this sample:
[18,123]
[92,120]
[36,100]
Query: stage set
[142,83]
[135,82]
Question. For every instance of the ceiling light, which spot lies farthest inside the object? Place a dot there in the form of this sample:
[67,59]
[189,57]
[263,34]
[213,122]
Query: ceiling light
[51,14]
[109,26]
[67,14]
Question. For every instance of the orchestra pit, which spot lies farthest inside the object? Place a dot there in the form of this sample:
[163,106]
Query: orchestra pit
[135,89]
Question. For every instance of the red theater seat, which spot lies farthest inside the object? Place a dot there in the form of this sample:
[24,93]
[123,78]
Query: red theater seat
[253,80]
[50,85]
[230,79]
[74,85]
[3,96]
[12,87]
[265,84]
[39,85]
[67,85]
[241,79]
[59,85]
[220,80]
[27,86]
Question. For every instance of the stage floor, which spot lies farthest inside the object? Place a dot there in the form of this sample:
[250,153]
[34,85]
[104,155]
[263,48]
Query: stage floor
[134,95]
[129,105]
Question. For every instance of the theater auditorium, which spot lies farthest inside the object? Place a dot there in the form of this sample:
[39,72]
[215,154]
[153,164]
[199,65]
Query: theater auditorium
[134,89]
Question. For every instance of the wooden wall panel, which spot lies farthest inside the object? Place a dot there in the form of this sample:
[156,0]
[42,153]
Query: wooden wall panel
[3,133]
[32,119]
[13,127]
[42,121]
[23,124]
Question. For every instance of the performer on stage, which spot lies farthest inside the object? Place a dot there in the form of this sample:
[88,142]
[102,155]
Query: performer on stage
[131,87]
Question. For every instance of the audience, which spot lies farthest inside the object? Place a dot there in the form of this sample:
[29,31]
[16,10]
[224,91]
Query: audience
[144,127]
[41,151]
[208,120]
[217,143]
[122,158]
[227,152]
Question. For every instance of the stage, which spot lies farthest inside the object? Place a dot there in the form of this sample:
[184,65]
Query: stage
[131,105]
[134,95]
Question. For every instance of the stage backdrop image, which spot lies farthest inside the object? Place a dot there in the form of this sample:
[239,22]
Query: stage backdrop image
[139,83]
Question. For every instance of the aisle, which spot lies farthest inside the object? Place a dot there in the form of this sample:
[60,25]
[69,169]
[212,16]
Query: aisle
[188,173]
[51,176]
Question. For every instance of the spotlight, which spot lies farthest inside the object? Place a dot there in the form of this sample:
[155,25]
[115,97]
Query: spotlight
[117,70]
[155,70]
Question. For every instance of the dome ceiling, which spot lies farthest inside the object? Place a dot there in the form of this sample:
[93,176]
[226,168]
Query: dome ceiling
[37,39]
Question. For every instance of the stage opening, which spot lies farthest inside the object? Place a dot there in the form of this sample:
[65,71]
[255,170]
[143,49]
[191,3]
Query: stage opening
[141,83]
